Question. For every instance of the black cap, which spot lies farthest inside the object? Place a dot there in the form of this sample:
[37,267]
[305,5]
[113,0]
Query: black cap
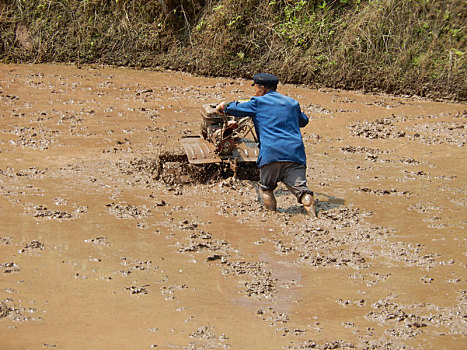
[265,79]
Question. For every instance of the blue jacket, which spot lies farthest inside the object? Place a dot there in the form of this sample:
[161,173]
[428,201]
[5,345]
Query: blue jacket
[277,119]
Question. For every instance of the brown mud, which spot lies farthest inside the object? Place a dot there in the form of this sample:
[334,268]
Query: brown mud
[107,241]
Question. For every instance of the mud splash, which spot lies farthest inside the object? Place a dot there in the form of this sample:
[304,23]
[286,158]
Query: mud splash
[172,167]
[110,239]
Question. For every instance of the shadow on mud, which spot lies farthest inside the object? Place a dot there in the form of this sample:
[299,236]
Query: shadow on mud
[331,202]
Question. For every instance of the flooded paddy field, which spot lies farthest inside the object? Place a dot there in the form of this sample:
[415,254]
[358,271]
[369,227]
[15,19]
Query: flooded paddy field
[98,251]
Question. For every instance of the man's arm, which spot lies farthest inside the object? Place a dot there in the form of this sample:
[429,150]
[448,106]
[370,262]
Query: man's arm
[302,119]
[220,107]
[238,109]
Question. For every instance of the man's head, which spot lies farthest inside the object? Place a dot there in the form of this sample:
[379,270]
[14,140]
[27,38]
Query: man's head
[264,82]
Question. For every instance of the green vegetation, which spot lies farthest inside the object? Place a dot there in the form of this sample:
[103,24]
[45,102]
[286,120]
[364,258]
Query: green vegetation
[396,46]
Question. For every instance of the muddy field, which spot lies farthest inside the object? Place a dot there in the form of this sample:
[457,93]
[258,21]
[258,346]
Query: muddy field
[98,251]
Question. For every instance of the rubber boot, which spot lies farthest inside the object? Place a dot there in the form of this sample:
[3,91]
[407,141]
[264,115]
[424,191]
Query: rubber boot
[310,205]
[269,200]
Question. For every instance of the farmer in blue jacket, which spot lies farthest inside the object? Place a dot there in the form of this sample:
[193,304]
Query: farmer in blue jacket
[277,119]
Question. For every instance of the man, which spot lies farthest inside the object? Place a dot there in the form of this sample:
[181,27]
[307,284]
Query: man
[277,119]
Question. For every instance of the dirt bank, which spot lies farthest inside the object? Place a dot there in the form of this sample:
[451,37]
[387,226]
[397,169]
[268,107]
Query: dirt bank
[399,47]
[96,252]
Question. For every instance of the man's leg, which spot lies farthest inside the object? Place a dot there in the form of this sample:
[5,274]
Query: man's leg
[268,177]
[309,204]
[295,180]
[269,200]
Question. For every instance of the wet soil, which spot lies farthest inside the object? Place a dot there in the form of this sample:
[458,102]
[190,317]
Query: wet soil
[109,240]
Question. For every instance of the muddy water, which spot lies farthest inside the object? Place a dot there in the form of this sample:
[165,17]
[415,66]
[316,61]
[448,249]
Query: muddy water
[96,253]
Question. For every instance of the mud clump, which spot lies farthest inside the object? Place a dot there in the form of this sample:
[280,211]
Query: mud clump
[272,316]
[169,291]
[126,211]
[380,129]
[4,310]
[135,290]
[260,283]
[409,321]
[362,150]
[168,167]
[337,258]
[9,267]
[136,265]
[98,241]
[32,246]
[6,240]
[309,344]
[453,133]
[207,339]
[203,333]
[17,313]
[200,246]
[43,212]
[172,168]
[30,137]
[261,287]
[380,192]
[410,254]
[344,216]
[31,172]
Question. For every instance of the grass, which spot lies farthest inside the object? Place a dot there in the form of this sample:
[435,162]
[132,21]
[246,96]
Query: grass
[396,46]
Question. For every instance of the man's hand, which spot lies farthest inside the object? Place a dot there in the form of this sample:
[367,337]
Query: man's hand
[232,124]
[220,107]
